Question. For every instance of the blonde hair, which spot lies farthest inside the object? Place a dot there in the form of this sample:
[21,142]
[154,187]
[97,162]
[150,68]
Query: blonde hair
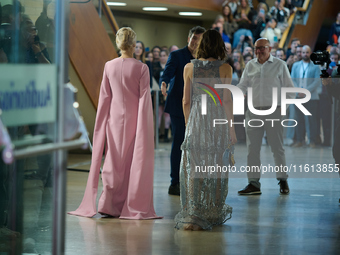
[125,38]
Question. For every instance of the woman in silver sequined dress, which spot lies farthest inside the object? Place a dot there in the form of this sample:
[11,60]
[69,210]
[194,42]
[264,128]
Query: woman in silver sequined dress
[207,148]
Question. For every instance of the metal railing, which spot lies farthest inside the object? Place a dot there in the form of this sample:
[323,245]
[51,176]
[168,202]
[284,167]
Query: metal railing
[292,21]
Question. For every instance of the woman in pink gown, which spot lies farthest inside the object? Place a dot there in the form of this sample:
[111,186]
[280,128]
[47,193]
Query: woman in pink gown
[124,124]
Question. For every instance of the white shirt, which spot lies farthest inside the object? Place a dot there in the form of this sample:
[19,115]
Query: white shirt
[263,78]
[303,74]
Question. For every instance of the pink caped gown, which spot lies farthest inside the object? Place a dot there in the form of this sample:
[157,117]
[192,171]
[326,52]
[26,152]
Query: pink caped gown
[124,124]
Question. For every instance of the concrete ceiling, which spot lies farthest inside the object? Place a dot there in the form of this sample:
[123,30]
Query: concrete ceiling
[173,10]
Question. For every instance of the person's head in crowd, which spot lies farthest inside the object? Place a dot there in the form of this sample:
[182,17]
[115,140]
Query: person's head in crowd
[139,51]
[7,12]
[173,48]
[272,23]
[338,18]
[211,46]
[219,19]
[236,55]
[280,53]
[194,38]
[298,52]
[247,58]
[28,32]
[218,24]
[335,57]
[126,40]
[334,49]
[262,9]
[306,51]
[226,13]
[238,58]
[280,3]
[329,47]
[228,47]
[163,56]
[245,6]
[156,50]
[149,56]
[248,50]
[295,42]
[262,50]
[296,58]
[273,52]
[164,48]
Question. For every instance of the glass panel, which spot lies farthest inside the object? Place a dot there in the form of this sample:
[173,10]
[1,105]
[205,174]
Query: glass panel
[28,102]
[26,205]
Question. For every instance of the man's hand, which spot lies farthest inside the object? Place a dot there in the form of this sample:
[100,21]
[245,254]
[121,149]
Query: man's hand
[163,89]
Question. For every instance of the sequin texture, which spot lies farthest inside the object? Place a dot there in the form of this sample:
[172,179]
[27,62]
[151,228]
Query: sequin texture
[203,194]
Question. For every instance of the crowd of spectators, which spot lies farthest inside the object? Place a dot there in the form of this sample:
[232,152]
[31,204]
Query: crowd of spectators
[240,24]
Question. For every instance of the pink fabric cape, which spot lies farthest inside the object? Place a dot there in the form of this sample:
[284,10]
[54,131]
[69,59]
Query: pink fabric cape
[124,125]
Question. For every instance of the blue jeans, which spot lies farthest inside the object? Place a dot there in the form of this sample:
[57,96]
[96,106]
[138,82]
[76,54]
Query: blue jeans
[290,131]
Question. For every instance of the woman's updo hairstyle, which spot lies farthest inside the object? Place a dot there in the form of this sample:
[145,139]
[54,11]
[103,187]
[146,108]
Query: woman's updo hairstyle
[125,38]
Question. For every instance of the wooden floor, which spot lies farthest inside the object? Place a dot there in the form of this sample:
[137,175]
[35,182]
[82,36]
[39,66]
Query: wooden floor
[305,222]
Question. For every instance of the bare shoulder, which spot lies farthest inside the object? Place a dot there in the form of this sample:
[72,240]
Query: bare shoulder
[189,66]
[226,66]
[225,70]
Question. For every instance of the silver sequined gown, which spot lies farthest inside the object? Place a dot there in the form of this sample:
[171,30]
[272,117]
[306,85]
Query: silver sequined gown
[203,194]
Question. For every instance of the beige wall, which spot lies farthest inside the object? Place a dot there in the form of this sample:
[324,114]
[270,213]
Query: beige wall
[33,8]
[86,107]
[157,32]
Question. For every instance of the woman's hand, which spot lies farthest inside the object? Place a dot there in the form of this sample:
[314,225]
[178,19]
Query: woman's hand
[232,135]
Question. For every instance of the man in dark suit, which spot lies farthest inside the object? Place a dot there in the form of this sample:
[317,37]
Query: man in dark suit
[173,72]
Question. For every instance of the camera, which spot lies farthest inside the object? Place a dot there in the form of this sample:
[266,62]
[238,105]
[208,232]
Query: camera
[322,58]
[5,36]
[36,39]
[247,38]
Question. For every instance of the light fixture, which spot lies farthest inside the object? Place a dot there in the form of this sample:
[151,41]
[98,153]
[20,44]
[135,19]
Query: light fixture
[190,13]
[155,9]
[116,4]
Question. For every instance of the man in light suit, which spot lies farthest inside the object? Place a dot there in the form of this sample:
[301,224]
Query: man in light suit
[307,75]
[173,72]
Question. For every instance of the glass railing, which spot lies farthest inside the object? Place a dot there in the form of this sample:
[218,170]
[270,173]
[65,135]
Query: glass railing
[33,36]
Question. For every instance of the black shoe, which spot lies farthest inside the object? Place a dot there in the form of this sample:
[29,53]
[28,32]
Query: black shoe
[174,190]
[250,190]
[284,189]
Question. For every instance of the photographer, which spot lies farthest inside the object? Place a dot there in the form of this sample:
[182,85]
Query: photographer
[6,21]
[32,50]
[333,88]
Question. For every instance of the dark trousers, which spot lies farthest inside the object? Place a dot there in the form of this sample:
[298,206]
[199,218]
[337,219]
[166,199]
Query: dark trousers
[312,107]
[178,131]
[4,196]
[336,145]
[325,111]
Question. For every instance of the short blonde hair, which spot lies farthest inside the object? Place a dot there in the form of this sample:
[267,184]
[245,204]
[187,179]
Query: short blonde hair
[125,38]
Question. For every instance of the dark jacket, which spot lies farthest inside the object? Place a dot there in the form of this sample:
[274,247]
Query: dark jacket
[174,69]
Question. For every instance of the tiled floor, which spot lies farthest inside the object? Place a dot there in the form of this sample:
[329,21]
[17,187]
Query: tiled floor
[305,222]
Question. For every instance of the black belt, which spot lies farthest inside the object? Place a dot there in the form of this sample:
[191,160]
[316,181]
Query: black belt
[265,107]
